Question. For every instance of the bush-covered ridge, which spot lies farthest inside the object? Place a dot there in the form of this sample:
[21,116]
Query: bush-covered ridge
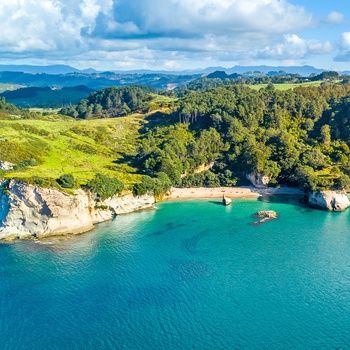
[112,102]
[297,137]
[214,137]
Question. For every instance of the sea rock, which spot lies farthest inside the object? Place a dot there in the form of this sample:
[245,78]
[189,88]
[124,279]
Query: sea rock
[27,210]
[328,200]
[264,216]
[270,214]
[258,180]
[226,200]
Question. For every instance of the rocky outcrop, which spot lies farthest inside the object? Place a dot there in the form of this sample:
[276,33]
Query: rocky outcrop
[271,214]
[258,180]
[264,216]
[328,200]
[6,165]
[27,210]
[226,200]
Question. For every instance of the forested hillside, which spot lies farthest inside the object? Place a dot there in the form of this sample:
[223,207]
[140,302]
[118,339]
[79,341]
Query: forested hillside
[209,137]
[112,102]
[297,137]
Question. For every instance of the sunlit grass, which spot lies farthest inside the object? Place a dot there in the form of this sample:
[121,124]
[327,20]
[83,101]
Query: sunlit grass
[283,87]
[67,146]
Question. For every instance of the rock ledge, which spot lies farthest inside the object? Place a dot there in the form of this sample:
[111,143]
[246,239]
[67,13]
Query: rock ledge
[328,200]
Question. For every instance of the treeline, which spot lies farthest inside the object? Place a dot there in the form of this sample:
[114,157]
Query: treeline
[112,102]
[297,137]
[10,111]
[220,78]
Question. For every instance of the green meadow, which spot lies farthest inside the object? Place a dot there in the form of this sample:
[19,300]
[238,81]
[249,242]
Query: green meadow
[62,145]
[283,87]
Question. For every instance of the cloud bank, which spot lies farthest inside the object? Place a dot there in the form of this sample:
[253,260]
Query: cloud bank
[166,32]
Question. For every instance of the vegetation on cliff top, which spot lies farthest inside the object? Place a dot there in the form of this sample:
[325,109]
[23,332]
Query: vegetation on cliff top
[210,137]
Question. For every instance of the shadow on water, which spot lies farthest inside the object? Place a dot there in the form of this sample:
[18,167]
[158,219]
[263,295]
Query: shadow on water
[168,227]
[216,202]
[298,201]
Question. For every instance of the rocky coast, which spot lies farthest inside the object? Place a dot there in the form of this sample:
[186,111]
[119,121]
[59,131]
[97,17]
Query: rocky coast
[28,211]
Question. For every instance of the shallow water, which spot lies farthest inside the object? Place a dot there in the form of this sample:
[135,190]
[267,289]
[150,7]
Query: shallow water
[190,275]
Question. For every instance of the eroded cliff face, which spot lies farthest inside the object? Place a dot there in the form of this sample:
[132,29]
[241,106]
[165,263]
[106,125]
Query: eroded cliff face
[27,210]
[258,180]
[329,200]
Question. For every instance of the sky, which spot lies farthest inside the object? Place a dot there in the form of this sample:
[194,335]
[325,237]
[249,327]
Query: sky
[175,34]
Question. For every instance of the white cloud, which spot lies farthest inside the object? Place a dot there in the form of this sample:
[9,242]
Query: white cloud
[295,47]
[344,48]
[47,25]
[153,32]
[334,18]
[188,18]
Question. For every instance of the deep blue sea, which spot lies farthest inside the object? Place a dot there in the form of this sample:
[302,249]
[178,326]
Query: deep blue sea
[190,275]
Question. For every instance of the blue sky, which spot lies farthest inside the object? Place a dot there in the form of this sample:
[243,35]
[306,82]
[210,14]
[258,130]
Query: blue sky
[175,34]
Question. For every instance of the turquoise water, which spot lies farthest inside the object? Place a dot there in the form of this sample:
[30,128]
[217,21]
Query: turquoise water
[191,275]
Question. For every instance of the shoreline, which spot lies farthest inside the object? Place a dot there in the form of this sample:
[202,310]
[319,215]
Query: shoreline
[230,192]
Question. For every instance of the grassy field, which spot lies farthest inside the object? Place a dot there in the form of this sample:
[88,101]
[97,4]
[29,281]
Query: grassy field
[62,145]
[161,102]
[283,87]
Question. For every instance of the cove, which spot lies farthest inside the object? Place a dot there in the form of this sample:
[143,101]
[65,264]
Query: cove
[190,275]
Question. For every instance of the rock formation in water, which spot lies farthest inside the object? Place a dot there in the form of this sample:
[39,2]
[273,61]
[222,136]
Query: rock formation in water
[27,210]
[271,214]
[328,200]
[226,200]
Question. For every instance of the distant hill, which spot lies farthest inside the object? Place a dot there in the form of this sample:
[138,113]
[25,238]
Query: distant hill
[305,70]
[53,69]
[42,97]
[95,81]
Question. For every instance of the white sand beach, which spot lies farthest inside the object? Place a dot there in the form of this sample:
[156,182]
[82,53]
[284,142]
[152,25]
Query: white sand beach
[231,192]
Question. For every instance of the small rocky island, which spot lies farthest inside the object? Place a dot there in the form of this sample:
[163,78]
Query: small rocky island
[226,201]
[269,214]
[264,216]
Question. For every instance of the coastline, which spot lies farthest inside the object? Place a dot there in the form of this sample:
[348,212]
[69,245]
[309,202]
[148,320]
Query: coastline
[231,192]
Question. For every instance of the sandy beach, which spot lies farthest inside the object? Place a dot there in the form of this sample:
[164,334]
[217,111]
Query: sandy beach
[231,192]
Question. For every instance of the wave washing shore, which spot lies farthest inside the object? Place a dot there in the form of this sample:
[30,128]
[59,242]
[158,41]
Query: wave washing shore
[231,192]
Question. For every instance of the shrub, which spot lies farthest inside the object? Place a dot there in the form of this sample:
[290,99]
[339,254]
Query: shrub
[146,186]
[22,165]
[66,181]
[105,186]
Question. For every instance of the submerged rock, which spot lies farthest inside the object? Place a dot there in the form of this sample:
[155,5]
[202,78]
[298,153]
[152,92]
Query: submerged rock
[226,200]
[328,200]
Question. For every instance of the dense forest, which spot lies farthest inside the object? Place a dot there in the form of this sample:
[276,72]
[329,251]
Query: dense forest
[214,134]
[112,102]
[298,137]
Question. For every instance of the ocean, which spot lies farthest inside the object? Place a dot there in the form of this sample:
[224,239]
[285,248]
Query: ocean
[189,275]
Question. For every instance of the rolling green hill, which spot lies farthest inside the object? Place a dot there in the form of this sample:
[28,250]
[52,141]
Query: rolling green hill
[61,145]
[45,97]
[210,137]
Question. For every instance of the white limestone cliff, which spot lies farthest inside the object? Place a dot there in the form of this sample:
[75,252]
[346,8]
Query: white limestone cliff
[329,200]
[258,180]
[27,210]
